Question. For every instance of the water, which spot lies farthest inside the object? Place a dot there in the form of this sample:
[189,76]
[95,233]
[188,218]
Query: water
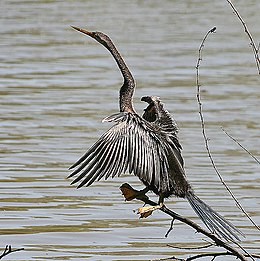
[56,87]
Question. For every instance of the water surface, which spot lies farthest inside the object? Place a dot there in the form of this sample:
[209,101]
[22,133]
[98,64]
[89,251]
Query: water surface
[57,85]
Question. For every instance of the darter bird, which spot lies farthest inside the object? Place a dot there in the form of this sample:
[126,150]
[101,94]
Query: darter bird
[146,146]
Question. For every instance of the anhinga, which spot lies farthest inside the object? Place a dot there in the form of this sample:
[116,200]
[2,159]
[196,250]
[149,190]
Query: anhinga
[146,146]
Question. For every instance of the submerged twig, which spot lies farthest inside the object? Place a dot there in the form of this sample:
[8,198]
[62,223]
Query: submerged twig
[192,248]
[214,255]
[252,43]
[8,250]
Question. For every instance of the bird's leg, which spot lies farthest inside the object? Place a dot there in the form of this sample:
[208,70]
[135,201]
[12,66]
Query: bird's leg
[130,193]
[147,211]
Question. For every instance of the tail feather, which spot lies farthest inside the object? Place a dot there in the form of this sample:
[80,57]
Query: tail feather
[214,221]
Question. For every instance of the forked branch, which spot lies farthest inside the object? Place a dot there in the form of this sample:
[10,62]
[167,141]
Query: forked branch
[8,250]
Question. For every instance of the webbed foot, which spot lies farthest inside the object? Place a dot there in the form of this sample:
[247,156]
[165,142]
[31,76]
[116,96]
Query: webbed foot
[147,211]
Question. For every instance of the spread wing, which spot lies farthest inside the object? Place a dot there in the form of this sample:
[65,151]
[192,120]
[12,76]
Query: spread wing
[132,144]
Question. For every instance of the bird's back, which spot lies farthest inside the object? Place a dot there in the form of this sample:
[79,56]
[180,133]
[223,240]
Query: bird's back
[174,181]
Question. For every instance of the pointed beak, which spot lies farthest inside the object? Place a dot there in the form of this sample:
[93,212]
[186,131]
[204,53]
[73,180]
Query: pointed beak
[82,31]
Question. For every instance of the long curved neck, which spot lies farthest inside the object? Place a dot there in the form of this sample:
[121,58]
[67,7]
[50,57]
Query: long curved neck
[127,90]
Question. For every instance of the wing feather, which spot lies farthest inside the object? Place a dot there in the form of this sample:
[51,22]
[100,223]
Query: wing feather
[133,144]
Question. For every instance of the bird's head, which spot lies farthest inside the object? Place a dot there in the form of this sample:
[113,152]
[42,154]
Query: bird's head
[151,100]
[151,111]
[98,36]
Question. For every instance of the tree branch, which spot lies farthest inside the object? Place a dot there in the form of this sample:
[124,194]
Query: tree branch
[213,237]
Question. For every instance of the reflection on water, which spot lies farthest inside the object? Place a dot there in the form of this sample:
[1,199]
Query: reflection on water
[56,86]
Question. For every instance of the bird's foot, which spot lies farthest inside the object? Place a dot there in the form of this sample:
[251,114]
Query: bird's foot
[130,193]
[147,211]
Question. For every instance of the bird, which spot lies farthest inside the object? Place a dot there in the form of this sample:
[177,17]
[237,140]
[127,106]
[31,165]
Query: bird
[146,146]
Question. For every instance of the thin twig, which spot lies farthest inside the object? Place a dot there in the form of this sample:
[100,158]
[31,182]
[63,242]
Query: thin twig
[198,83]
[252,43]
[239,144]
[255,158]
[170,229]
[8,250]
[206,139]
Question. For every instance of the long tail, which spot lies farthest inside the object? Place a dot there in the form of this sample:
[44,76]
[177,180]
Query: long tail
[214,221]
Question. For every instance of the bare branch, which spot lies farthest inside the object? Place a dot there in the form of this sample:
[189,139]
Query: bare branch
[252,43]
[8,250]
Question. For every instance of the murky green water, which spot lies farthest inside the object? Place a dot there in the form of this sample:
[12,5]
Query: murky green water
[57,85]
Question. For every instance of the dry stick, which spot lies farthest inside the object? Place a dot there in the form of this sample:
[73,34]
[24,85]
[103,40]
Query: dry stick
[218,241]
[8,250]
[252,43]
[204,130]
